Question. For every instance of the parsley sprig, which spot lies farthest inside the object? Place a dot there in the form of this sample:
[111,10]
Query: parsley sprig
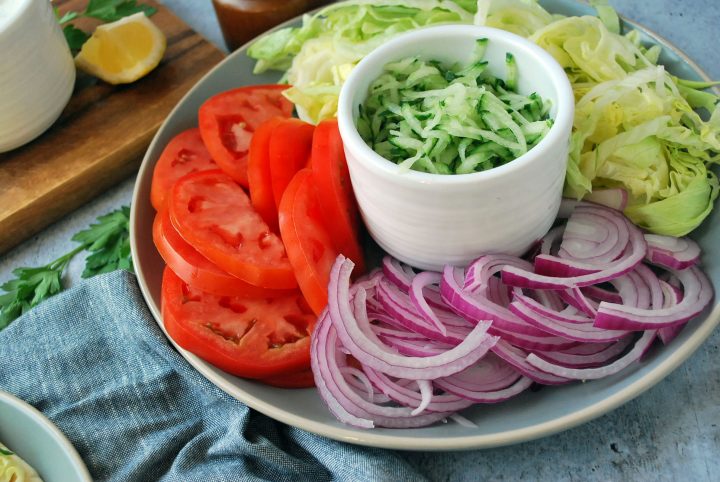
[105,10]
[107,240]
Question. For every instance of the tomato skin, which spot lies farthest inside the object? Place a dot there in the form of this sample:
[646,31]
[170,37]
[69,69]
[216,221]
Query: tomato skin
[309,247]
[195,269]
[331,180]
[246,337]
[213,214]
[303,379]
[185,153]
[259,179]
[289,151]
[228,120]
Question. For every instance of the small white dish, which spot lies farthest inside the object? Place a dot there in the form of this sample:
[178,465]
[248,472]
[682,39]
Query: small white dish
[429,220]
[37,441]
[38,72]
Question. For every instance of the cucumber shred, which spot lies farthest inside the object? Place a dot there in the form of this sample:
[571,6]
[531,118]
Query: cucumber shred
[457,119]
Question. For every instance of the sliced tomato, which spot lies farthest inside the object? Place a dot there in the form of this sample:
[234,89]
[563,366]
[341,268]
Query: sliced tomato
[259,180]
[194,268]
[290,145]
[214,215]
[228,120]
[309,247]
[331,180]
[247,337]
[185,153]
[303,379]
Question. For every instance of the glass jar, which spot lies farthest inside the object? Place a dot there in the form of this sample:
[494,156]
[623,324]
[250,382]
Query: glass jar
[243,20]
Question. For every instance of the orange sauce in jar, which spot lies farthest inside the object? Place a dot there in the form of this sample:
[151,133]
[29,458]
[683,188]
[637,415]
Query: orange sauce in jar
[243,20]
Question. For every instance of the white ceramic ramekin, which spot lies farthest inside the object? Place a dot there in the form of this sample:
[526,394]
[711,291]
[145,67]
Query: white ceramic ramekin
[37,73]
[428,220]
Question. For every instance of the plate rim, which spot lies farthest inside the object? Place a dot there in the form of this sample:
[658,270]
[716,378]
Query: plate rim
[51,429]
[409,442]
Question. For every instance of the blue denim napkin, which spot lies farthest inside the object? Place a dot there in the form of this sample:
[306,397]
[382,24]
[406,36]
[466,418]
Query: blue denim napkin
[94,361]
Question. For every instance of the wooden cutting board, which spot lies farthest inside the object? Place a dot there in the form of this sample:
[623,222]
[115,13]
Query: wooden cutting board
[101,135]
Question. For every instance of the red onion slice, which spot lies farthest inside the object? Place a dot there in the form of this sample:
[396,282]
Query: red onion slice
[698,293]
[367,351]
[524,279]
[474,307]
[671,297]
[671,252]
[342,400]
[490,374]
[576,328]
[516,357]
[587,355]
[420,281]
[422,400]
[641,346]
[522,384]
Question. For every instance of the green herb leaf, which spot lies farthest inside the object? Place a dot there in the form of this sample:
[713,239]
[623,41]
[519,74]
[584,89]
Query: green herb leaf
[75,37]
[112,10]
[30,287]
[109,242]
[105,10]
[6,452]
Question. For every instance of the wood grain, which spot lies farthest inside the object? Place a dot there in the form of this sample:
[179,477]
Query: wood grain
[101,135]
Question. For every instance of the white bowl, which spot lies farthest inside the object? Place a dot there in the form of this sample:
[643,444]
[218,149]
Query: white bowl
[429,220]
[38,72]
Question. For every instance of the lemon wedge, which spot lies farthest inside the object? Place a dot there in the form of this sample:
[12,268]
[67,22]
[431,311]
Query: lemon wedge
[123,51]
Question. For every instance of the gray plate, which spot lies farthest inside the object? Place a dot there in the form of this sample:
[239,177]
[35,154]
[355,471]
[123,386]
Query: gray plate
[38,442]
[529,416]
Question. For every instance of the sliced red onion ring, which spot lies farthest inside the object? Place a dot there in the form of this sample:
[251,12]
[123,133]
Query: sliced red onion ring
[575,298]
[475,307]
[525,279]
[516,357]
[522,384]
[698,293]
[671,297]
[422,400]
[367,351]
[342,400]
[587,355]
[578,328]
[641,346]
[593,235]
[598,294]
[420,281]
[490,374]
[671,252]
[480,271]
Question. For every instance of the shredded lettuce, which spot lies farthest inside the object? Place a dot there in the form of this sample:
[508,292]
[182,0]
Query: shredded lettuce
[319,55]
[636,126]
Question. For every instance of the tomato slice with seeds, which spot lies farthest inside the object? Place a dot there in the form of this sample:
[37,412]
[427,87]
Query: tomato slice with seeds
[308,245]
[228,120]
[246,337]
[214,215]
[194,268]
[331,180]
[259,180]
[289,151]
[185,153]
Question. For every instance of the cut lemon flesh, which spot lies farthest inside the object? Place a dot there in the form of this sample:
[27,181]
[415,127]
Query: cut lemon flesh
[123,51]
